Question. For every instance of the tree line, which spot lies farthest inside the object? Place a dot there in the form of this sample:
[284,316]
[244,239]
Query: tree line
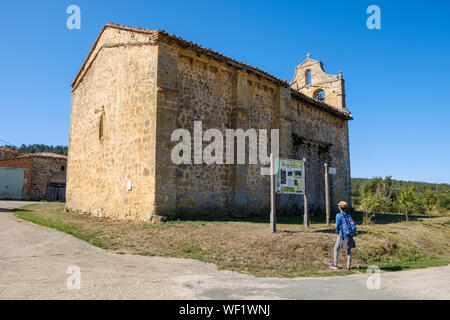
[35,148]
[396,196]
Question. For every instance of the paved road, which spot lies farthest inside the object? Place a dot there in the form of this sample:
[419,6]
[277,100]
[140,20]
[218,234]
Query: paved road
[34,262]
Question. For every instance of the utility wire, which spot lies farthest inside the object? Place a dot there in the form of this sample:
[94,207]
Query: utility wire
[6,142]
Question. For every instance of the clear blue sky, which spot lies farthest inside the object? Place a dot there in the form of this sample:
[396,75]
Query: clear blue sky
[397,78]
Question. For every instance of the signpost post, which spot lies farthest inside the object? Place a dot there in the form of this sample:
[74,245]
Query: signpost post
[305,200]
[327,195]
[273,226]
[328,170]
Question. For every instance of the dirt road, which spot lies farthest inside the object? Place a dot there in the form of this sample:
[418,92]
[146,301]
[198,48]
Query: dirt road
[34,263]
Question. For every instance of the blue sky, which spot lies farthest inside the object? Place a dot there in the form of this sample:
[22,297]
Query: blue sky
[397,78]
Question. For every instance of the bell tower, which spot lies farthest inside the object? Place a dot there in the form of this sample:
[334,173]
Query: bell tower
[311,79]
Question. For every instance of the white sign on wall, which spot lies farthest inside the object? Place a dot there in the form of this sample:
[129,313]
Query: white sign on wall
[331,170]
[290,176]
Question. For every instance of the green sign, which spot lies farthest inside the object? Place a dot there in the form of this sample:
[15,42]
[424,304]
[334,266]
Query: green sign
[290,176]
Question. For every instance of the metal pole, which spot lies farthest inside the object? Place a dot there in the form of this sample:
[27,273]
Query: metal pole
[273,223]
[305,200]
[327,195]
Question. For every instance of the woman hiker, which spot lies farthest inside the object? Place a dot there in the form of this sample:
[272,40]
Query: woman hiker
[346,230]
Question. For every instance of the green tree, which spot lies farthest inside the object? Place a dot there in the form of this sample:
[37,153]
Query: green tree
[34,148]
[370,186]
[370,203]
[429,200]
[443,201]
[388,192]
[379,193]
[407,200]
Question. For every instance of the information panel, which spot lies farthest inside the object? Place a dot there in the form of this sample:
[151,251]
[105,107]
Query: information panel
[290,176]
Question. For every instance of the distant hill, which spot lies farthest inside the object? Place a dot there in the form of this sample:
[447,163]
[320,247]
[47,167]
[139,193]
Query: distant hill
[35,148]
[399,184]
[396,196]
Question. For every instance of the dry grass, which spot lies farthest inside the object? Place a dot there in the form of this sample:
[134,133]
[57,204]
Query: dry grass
[249,247]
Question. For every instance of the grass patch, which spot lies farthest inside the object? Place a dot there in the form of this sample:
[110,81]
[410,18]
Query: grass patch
[247,246]
[69,228]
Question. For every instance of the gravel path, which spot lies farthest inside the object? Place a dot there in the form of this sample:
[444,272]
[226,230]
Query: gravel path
[34,262]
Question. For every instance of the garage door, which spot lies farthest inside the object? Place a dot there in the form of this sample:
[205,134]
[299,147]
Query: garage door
[11,183]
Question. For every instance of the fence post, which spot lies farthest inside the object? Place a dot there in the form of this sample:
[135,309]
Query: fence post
[327,195]
[305,200]
[273,223]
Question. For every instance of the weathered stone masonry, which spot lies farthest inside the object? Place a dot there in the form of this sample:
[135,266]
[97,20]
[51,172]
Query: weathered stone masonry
[6,153]
[137,86]
[43,170]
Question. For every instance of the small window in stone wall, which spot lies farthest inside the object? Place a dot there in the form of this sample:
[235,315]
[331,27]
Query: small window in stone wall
[63,168]
[308,76]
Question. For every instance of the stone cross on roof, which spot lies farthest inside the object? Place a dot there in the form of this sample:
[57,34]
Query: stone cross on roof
[308,55]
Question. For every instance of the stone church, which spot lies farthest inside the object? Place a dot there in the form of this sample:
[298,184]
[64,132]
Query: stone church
[137,86]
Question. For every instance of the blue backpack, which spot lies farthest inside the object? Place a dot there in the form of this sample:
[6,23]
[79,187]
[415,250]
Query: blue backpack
[348,225]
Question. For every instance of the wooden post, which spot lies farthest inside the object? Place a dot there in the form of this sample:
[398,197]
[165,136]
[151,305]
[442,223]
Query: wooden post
[327,195]
[273,223]
[305,200]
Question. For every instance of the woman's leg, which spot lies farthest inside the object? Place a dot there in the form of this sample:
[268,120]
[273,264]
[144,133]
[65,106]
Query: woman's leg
[336,250]
[349,257]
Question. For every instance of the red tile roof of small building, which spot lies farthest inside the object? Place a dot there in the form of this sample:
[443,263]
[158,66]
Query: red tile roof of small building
[44,155]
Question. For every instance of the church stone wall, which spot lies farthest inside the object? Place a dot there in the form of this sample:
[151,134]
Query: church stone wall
[119,90]
[199,88]
[139,90]
[320,138]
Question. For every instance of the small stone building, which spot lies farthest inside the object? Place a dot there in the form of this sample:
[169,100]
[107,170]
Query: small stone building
[36,176]
[7,153]
[137,86]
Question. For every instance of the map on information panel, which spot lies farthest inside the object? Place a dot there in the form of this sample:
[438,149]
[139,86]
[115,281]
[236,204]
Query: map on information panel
[290,176]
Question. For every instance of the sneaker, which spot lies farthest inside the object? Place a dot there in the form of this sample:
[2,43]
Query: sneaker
[333,266]
[348,268]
